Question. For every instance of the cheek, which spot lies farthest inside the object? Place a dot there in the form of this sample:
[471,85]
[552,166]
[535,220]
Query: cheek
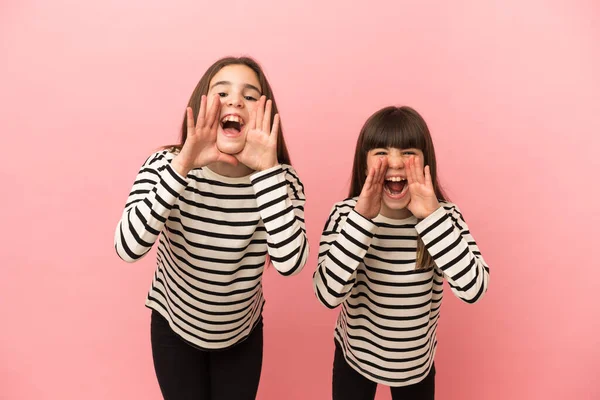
[371,162]
[211,99]
[251,106]
[369,165]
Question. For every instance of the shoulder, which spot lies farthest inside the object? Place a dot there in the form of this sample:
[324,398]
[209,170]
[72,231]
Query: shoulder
[452,210]
[289,170]
[160,158]
[448,206]
[346,204]
[292,176]
[343,208]
[338,214]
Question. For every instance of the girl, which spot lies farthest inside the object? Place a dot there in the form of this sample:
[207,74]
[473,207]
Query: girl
[218,203]
[384,254]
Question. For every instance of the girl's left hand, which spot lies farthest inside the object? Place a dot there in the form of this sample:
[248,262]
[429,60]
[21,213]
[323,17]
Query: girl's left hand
[260,151]
[423,201]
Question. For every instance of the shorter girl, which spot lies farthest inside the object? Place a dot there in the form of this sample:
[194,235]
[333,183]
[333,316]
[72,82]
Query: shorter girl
[384,254]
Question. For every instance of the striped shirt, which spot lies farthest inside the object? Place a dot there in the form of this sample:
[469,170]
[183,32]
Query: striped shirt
[214,234]
[388,321]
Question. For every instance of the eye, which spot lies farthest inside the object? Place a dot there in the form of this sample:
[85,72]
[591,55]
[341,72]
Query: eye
[250,98]
[380,153]
[222,94]
[409,153]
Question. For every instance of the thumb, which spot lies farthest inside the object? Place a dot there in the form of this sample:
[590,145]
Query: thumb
[229,159]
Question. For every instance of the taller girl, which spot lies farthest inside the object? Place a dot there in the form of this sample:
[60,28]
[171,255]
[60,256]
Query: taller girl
[218,203]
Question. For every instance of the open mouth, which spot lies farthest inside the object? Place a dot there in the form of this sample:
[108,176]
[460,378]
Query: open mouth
[395,186]
[232,124]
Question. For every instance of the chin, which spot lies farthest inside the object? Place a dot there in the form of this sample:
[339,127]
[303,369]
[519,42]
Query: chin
[396,204]
[397,207]
[229,146]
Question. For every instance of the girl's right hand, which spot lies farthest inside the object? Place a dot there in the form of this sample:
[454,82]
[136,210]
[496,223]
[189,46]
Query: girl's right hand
[200,147]
[369,201]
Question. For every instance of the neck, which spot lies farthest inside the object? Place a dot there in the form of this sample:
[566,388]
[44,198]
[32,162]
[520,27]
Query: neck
[402,213]
[231,171]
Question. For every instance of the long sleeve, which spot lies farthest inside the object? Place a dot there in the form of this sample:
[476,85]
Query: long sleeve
[344,243]
[449,241]
[154,192]
[280,198]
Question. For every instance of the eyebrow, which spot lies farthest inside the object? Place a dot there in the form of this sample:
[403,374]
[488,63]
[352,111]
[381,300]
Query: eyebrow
[246,86]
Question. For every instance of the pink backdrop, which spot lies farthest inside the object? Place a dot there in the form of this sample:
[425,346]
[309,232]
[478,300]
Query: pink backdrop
[510,90]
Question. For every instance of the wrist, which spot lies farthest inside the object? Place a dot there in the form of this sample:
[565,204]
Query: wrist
[363,213]
[431,210]
[268,166]
[180,167]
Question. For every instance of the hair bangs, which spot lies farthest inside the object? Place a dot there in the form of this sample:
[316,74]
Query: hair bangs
[395,129]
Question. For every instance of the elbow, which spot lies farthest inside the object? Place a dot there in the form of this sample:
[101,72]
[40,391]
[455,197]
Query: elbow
[293,264]
[128,255]
[324,294]
[328,301]
[289,268]
[476,293]
[125,257]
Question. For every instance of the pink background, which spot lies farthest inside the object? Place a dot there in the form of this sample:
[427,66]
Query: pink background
[510,90]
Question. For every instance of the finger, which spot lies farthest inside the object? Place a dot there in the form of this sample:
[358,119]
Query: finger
[266,123]
[252,123]
[377,175]
[213,113]
[217,120]
[190,120]
[368,181]
[409,172]
[419,170]
[384,168]
[275,131]
[413,168]
[428,180]
[260,112]
[229,159]
[381,165]
[202,111]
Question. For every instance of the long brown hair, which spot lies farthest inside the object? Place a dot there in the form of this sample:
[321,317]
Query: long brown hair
[401,128]
[202,87]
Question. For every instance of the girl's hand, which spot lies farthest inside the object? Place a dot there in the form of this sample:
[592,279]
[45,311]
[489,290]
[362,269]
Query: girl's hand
[423,201]
[260,151]
[369,201]
[200,147]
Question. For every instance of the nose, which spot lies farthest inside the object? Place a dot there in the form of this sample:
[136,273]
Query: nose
[395,162]
[235,100]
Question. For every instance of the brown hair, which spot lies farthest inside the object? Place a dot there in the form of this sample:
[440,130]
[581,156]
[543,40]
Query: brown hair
[202,89]
[401,128]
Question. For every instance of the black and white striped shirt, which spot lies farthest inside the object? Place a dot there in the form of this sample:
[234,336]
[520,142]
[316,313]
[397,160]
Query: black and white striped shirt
[388,321]
[214,234]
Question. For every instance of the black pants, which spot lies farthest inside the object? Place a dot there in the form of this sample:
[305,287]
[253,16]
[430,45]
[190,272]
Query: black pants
[350,385]
[185,372]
